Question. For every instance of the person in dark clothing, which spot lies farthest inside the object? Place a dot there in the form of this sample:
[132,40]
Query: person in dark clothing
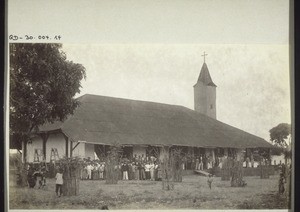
[142,171]
[283,170]
[130,172]
[281,183]
[30,177]
[204,162]
[124,169]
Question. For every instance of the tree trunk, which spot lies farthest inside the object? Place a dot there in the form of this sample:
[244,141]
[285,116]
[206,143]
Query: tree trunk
[237,175]
[112,174]
[21,173]
[71,176]
[225,171]
[70,186]
[112,164]
[167,181]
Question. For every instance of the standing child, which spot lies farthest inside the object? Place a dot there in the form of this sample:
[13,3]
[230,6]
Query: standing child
[59,182]
[210,180]
[101,171]
[281,183]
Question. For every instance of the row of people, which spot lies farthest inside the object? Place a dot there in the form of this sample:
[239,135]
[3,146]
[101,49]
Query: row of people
[140,171]
[207,162]
[93,170]
[128,170]
[202,162]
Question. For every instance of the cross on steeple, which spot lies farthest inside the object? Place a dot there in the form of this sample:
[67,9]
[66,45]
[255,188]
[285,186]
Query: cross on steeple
[204,56]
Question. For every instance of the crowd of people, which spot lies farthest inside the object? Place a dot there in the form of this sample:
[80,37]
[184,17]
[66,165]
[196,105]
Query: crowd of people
[148,168]
[137,168]
[141,168]
[36,173]
[204,162]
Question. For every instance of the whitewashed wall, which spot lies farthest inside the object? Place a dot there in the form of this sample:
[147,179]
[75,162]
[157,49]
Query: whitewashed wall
[36,143]
[79,151]
[139,150]
[277,158]
[89,151]
[56,141]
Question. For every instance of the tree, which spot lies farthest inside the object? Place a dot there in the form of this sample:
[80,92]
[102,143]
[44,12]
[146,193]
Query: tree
[43,84]
[112,164]
[279,134]
[171,167]
[71,168]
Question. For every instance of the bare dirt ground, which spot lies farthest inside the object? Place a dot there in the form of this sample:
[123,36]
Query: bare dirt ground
[192,193]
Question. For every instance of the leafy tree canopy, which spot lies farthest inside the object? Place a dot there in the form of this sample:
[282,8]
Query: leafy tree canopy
[279,134]
[43,84]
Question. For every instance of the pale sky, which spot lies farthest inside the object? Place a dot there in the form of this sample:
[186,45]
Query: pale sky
[151,50]
[154,21]
[253,80]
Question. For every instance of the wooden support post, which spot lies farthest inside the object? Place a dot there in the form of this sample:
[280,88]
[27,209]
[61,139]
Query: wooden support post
[71,148]
[45,137]
[24,151]
[75,146]
[67,145]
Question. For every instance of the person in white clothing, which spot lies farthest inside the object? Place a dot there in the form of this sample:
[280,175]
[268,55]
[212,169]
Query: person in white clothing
[147,171]
[151,168]
[89,169]
[220,163]
[125,169]
[201,163]
[59,182]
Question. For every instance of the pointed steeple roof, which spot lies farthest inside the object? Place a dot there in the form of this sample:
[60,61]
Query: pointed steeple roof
[205,76]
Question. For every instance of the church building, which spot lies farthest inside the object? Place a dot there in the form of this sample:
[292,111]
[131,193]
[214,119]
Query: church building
[141,128]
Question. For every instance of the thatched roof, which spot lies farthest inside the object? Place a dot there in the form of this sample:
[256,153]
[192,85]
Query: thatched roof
[106,120]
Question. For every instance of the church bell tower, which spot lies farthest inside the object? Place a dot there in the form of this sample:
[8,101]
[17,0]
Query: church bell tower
[205,93]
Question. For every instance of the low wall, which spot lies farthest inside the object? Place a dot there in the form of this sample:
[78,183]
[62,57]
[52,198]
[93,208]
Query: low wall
[256,171]
[246,171]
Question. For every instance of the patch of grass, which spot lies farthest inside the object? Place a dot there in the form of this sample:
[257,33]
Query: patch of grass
[192,193]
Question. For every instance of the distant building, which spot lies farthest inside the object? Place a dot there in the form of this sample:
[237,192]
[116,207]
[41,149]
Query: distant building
[277,159]
[142,128]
